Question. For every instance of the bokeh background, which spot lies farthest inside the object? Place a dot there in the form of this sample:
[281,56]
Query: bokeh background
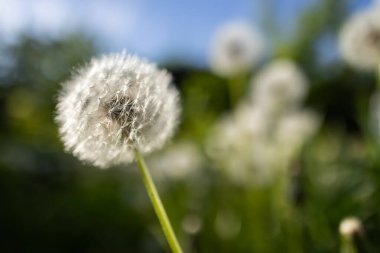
[51,202]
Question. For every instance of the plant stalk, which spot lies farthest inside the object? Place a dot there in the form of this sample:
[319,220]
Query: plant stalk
[157,204]
[348,245]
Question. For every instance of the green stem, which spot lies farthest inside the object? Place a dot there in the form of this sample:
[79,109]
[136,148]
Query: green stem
[157,204]
[285,212]
[348,245]
[236,88]
[232,92]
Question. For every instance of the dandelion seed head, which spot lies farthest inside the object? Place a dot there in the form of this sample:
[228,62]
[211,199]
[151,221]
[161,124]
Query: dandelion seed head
[295,129]
[350,226]
[359,40]
[236,48]
[250,146]
[232,143]
[280,86]
[113,105]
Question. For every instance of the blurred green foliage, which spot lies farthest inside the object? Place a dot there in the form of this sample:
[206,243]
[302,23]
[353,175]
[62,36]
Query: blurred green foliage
[50,202]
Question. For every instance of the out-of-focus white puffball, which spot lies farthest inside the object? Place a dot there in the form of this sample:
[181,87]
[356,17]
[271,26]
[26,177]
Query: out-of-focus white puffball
[350,226]
[279,86]
[360,40]
[233,141]
[295,129]
[235,48]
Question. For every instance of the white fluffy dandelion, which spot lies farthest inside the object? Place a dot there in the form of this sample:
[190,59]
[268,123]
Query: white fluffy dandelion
[251,145]
[113,105]
[237,146]
[360,40]
[294,130]
[350,226]
[280,86]
[236,48]
[116,108]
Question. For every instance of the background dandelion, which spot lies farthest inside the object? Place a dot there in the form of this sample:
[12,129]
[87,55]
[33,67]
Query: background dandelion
[280,86]
[235,49]
[360,39]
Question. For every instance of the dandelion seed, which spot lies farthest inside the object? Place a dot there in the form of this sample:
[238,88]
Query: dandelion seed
[280,86]
[236,48]
[113,105]
[360,40]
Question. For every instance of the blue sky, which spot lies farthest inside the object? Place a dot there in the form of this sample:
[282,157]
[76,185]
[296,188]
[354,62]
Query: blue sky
[157,30]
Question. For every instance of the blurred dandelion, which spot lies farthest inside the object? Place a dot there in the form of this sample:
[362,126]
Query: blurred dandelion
[279,86]
[360,40]
[113,109]
[236,48]
[249,149]
[294,130]
[233,143]
[350,226]
[266,133]
[348,229]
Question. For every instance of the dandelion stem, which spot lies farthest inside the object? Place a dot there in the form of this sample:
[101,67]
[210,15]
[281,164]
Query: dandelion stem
[232,92]
[157,204]
[236,88]
[348,246]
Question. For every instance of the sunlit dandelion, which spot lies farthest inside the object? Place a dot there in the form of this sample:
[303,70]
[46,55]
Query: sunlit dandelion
[236,48]
[115,104]
[115,109]
[279,87]
[360,40]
